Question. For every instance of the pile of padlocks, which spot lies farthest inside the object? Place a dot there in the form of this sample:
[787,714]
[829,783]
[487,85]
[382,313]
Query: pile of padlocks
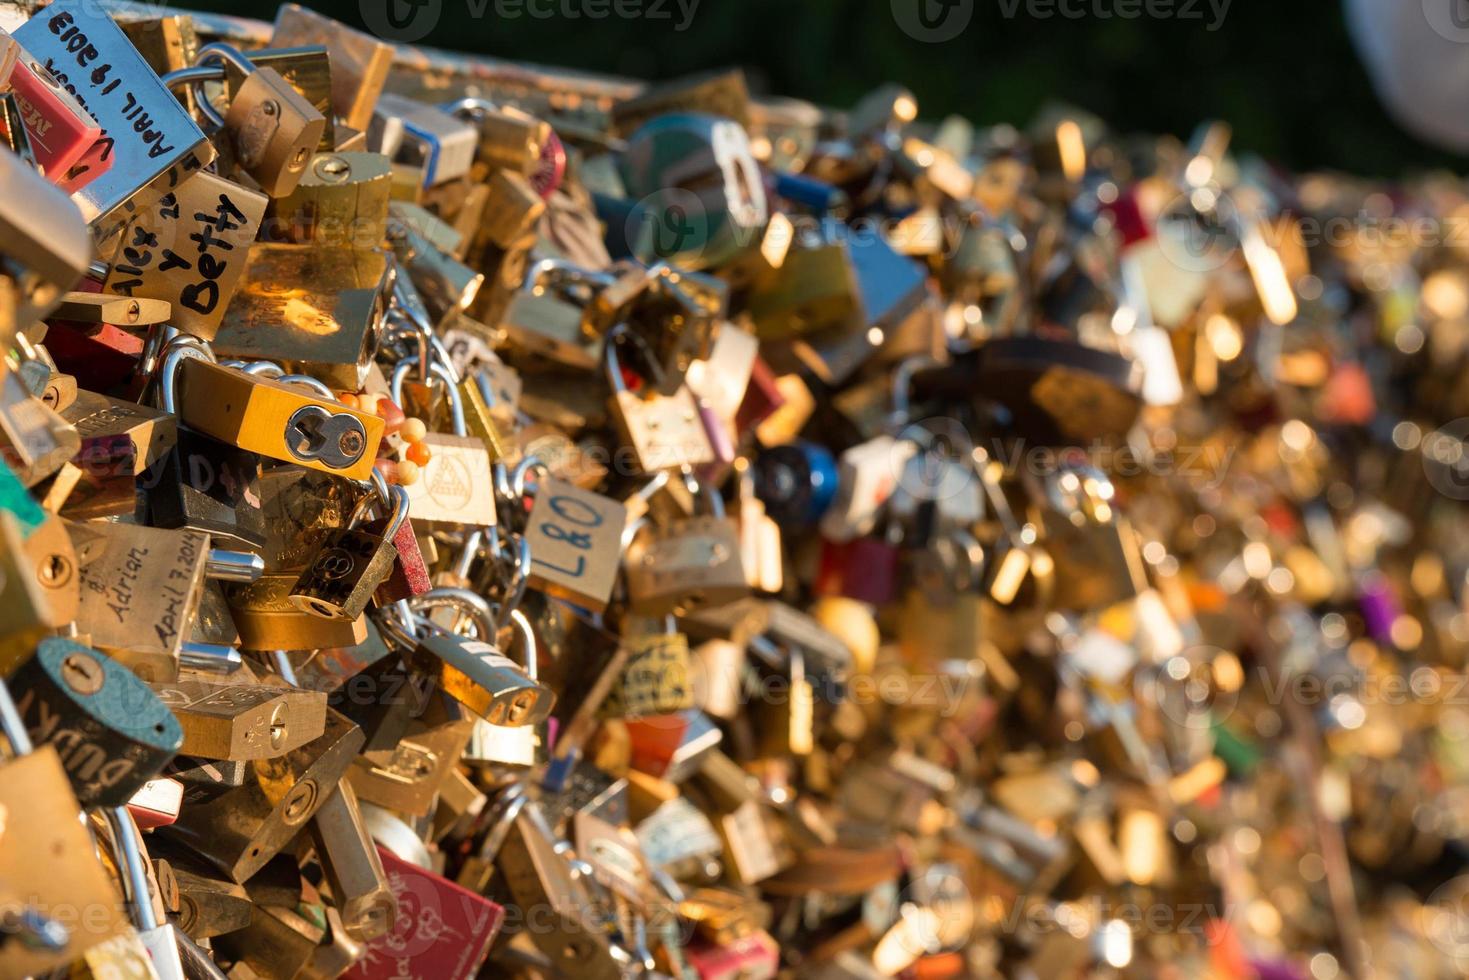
[470,520]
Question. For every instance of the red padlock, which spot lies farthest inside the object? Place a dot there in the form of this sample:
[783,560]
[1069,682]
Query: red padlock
[442,930]
[865,569]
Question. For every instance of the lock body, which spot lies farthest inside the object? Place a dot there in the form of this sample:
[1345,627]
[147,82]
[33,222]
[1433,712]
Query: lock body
[111,733]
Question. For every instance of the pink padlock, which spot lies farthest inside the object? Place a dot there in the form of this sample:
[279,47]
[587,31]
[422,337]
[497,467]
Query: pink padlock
[68,143]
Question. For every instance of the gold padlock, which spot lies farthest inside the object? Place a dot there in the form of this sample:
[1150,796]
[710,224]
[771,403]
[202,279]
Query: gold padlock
[273,419]
[275,130]
[663,431]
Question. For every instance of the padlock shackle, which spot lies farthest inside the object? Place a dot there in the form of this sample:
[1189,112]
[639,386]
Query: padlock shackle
[902,394]
[697,489]
[522,469]
[174,354]
[129,852]
[471,603]
[444,374]
[612,363]
[11,724]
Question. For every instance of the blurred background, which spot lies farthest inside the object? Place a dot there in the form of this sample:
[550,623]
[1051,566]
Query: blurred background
[1284,74]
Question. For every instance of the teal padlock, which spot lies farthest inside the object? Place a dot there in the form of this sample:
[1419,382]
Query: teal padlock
[698,190]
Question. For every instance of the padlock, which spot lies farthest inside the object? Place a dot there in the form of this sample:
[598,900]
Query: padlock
[243,722]
[35,441]
[205,485]
[1095,549]
[318,310]
[189,249]
[664,432]
[359,61]
[815,290]
[447,286]
[44,818]
[273,128]
[545,319]
[477,675]
[359,886]
[307,68]
[111,732]
[796,482]
[241,829]
[147,160]
[688,564]
[347,570]
[268,619]
[655,676]
[268,417]
[539,877]
[139,589]
[575,539]
[342,200]
[53,125]
[455,486]
[407,777]
[702,188]
[422,136]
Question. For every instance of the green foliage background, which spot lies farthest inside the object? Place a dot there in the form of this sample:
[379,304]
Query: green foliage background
[1283,72]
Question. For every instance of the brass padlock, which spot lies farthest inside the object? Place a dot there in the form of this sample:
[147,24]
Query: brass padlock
[273,128]
[139,589]
[575,541]
[268,417]
[664,432]
[346,570]
[243,722]
[241,829]
[342,200]
[655,679]
[111,732]
[307,68]
[407,777]
[190,250]
[360,62]
[268,620]
[317,310]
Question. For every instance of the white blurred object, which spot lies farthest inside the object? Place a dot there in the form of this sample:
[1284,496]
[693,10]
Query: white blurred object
[1417,52]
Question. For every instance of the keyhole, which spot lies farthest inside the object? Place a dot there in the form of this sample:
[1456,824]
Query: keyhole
[55,571]
[278,726]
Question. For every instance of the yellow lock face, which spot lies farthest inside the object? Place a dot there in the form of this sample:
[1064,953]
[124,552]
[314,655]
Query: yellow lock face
[278,420]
